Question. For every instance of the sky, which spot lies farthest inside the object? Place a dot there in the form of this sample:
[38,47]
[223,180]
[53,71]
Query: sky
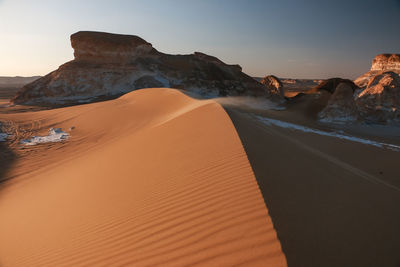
[286,38]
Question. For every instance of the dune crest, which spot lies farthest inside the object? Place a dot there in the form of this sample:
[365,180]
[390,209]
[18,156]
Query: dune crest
[168,183]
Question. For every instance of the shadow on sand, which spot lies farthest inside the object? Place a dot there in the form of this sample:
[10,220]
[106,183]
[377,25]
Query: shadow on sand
[323,213]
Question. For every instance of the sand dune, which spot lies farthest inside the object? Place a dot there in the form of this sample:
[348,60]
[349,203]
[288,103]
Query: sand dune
[151,178]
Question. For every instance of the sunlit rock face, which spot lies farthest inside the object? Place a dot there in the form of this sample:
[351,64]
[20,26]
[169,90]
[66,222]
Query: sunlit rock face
[341,107]
[273,85]
[108,65]
[381,63]
[385,62]
[380,101]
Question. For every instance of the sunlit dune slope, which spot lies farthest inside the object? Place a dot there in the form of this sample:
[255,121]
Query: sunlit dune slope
[151,178]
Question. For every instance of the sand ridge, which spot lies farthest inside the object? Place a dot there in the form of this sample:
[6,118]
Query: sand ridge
[151,178]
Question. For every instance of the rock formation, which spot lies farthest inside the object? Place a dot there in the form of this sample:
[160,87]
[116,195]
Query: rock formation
[380,101]
[274,85]
[108,65]
[380,64]
[341,107]
[331,84]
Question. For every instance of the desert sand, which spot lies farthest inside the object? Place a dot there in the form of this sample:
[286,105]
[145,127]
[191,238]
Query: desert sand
[156,177]
[151,178]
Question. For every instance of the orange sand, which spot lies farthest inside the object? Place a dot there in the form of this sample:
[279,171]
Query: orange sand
[151,178]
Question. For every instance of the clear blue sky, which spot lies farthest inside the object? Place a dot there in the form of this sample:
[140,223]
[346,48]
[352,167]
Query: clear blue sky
[288,38]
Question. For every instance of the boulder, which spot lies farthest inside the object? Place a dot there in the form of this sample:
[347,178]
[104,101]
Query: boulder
[341,107]
[108,65]
[273,85]
[331,84]
[380,101]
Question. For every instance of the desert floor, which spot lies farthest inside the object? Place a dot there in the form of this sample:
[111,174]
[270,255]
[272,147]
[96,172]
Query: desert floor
[333,202]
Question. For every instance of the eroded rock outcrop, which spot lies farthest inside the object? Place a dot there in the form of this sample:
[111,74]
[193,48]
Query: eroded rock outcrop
[274,85]
[107,65]
[380,64]
[380,101]
[341,107]
[331,84]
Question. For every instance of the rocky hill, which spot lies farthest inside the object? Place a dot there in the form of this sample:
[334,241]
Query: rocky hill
[107,65]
